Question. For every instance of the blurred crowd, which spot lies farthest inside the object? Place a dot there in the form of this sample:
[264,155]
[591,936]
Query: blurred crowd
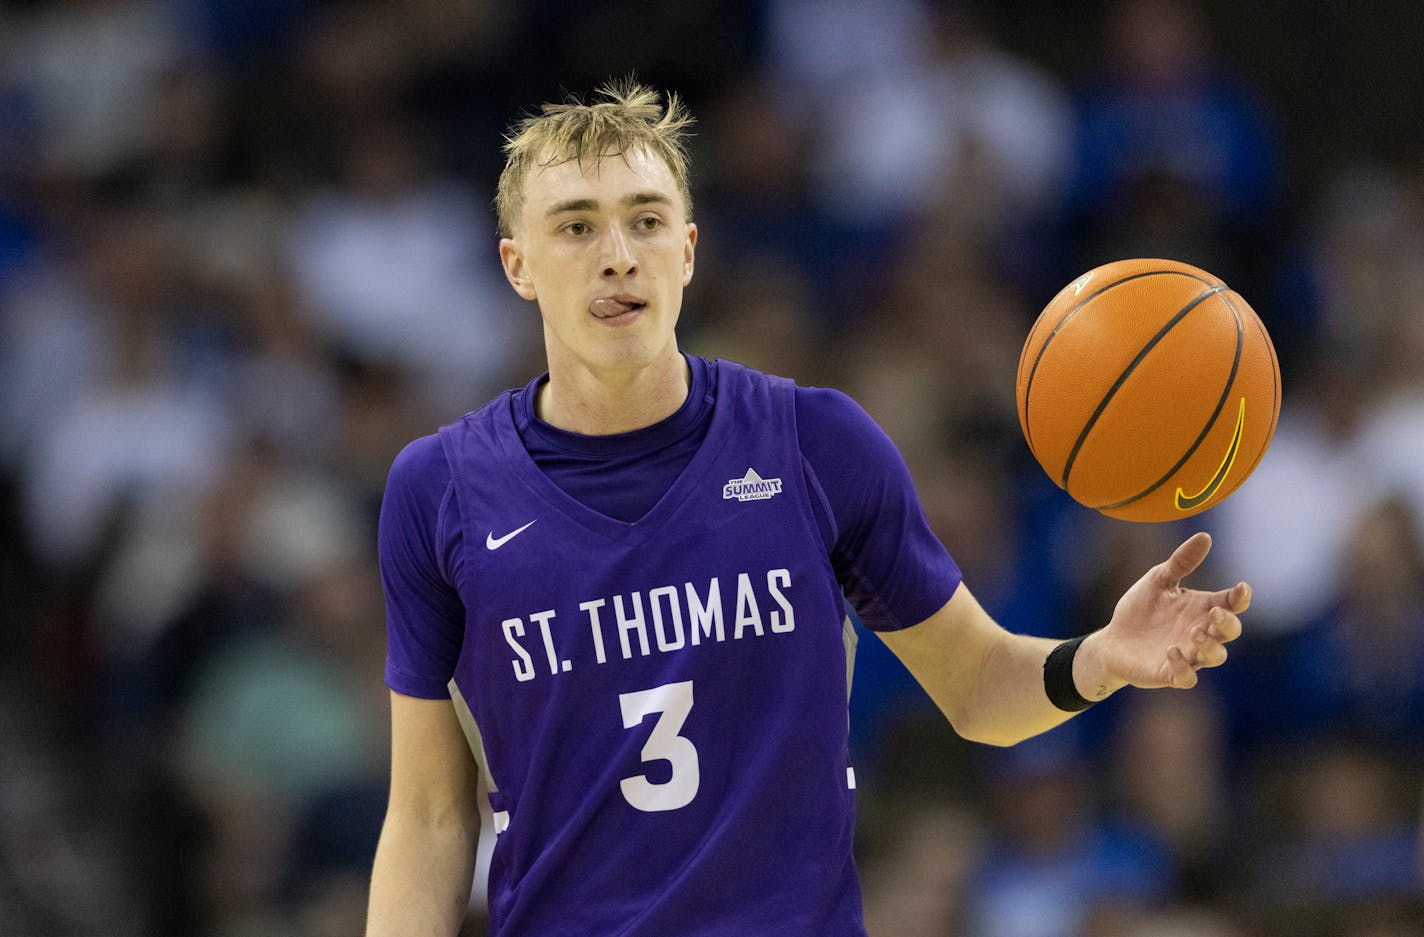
[247,253]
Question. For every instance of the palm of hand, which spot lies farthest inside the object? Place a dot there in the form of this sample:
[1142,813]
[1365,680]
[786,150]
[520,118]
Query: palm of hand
[1161,633]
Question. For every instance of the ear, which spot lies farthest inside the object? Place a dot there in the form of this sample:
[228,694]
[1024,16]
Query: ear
[516,271]
[689,247]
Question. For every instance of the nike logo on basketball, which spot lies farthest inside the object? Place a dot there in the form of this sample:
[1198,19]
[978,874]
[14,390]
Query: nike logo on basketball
[1186,502]
[494,543]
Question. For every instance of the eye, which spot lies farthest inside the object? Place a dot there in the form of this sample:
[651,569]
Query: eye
[577,228]
[649,223]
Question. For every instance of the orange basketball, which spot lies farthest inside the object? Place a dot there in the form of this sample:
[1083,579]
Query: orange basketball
[1148,390]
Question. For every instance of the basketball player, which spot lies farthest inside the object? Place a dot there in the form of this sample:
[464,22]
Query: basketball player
[617,592]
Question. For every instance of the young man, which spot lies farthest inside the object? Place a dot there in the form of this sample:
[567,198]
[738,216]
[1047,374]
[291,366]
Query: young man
[618,591]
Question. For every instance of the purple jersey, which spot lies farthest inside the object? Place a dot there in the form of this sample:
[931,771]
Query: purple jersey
[660,706]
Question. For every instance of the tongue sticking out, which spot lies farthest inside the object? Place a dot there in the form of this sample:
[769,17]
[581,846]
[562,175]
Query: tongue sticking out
[608,307]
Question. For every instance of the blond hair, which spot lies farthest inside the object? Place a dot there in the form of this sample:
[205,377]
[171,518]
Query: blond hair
[626,116]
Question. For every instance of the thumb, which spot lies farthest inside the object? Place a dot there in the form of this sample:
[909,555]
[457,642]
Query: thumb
[1186,558]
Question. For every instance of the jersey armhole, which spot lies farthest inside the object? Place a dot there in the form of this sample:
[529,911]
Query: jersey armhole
[820,506]
[446,504]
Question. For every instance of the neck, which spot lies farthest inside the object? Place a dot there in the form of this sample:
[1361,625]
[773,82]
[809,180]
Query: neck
[581,400]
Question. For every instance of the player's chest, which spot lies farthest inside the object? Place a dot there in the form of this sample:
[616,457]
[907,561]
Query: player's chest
[523,547]
[737,569]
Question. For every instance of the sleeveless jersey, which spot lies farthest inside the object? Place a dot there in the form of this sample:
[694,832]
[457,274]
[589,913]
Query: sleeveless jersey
[659,707]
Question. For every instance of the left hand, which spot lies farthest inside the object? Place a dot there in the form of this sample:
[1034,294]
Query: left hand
[1161,634]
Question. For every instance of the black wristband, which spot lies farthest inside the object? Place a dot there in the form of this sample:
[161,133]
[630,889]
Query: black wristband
[1058,678]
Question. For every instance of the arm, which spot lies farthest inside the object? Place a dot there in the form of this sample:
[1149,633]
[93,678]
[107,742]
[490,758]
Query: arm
[989,682]
[420,883]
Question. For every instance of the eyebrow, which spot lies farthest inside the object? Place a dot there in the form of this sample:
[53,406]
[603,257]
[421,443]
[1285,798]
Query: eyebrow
[628,201]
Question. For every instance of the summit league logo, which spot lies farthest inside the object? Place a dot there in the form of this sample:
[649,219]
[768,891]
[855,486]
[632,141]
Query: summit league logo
[751,487]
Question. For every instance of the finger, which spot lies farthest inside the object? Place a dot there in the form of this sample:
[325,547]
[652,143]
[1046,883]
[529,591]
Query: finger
[1186,558]
[1236,599]
[1209,652]
[1179,671]
[1223,625]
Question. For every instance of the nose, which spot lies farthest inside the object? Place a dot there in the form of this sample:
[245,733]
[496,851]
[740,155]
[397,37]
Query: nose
[618,260]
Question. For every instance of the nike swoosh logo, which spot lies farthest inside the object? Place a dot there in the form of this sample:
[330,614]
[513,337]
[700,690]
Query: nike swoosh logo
[494,543]
[1186,502]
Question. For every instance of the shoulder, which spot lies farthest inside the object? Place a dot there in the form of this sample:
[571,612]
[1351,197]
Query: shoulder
[829,405]
[421,462]
[419,483]
[474,437]
[419,494]
[829,422]
[817,408]
[828,419]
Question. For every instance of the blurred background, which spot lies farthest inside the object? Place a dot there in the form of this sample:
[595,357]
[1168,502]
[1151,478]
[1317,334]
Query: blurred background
[247,253]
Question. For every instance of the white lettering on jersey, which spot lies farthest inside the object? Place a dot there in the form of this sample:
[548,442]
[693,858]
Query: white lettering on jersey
[592,609]
[705,620]
[784,620]
[627,624]
[523,666]
[674,614]
[748,614]
[543,619]
[679,616]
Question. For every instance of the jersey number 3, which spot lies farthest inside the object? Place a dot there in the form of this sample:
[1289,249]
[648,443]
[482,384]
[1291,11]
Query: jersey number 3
[671,702]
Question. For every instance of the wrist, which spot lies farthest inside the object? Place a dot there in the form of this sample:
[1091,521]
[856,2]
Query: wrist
[1059,683]
[1091,676]
[1074,676]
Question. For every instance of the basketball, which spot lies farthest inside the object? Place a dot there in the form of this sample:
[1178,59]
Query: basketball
[1148,390]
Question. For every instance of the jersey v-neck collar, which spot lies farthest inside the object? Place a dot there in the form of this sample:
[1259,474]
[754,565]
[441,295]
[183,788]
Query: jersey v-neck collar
[666,432]
[686,420]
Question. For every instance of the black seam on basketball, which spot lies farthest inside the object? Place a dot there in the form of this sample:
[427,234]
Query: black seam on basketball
[1028,385]
[1019,375]
[1211,421]
[1132,366]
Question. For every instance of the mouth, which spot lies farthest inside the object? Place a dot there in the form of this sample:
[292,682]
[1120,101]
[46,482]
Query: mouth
[615,307]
